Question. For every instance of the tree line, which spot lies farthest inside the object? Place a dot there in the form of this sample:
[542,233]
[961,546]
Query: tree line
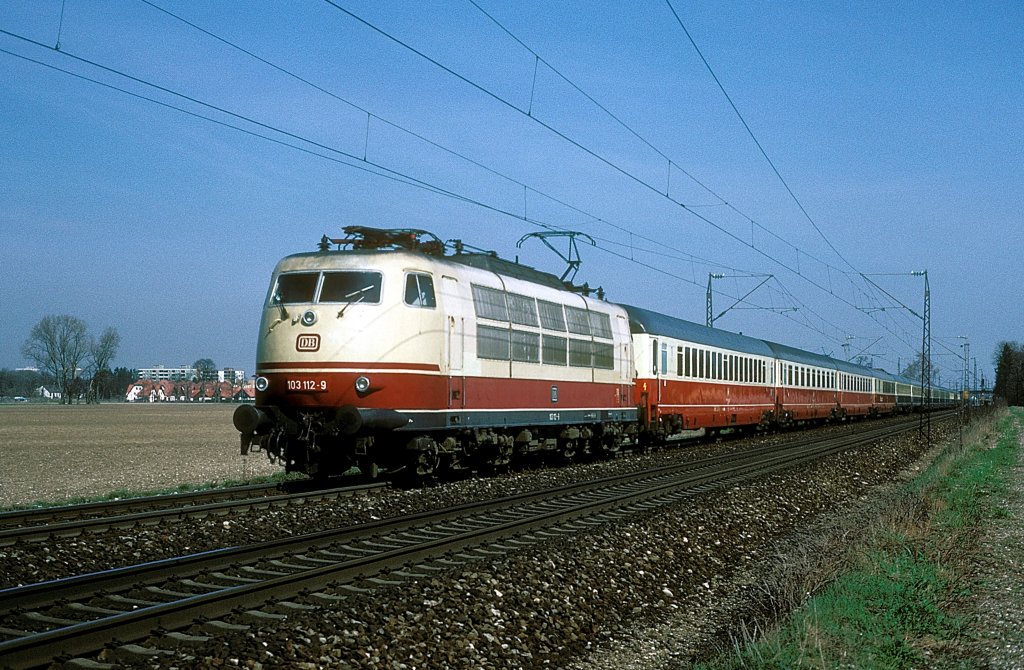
[109,384]
[1009,362]
[78,363]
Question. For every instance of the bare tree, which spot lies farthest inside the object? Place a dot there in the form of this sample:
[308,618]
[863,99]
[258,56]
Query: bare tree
[101,352]
[59,344]
[913,369]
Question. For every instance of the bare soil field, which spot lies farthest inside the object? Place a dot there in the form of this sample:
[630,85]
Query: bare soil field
[54,452]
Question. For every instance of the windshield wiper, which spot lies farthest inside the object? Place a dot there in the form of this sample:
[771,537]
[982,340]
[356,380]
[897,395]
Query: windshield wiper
[276,300]
[348,304]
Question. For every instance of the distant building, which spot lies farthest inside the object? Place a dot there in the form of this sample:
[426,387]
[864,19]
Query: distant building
[148,390]
[231,375]
[187,373]
[166,390]
[44,392]
[158,373]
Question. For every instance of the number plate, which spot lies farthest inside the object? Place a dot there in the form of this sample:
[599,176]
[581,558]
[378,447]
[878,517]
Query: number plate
[307,385]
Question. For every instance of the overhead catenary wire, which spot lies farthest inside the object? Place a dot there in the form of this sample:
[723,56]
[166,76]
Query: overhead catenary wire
[371,114]
[355,160]
[753,137]
[324,151]
[511,105]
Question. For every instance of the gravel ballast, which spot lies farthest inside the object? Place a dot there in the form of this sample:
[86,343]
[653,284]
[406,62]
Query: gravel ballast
[657,591]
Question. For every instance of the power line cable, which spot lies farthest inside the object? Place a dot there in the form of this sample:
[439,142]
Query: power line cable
[343,158]
[539,59]
[397,176]
[410,132]
[585,149]
[754,138]
[432,143]
[671,163]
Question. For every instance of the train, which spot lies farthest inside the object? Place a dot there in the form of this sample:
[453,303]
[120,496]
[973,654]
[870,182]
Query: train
[392,352]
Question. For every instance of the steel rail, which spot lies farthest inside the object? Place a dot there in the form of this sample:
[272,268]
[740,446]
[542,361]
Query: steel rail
[50,514]
[191,508]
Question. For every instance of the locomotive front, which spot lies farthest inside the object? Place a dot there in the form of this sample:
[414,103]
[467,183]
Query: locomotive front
[349,338]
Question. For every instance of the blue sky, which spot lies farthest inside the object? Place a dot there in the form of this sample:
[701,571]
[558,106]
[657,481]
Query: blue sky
[896,125]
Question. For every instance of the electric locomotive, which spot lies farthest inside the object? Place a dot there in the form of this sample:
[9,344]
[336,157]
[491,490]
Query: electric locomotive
[381,352]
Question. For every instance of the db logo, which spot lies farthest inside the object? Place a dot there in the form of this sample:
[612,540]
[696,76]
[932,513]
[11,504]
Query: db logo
[307,342]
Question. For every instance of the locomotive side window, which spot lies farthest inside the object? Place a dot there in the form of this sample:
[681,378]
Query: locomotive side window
[578,320]
[419,290]
[296,287]
[490,303]
[492,343]
[525,346]
[522,309]
[551,317]
[604,356]
[601,325]
[679,361]
[553,350]
[580,353]
[351,287]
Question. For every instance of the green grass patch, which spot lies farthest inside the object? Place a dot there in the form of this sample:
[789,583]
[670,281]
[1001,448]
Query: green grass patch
[896,607]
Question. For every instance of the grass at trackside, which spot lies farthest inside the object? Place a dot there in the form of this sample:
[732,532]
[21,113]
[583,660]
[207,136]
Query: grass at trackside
[896,605]
[124,494]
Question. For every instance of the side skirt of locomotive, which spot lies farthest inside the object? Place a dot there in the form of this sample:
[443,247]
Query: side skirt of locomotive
[420,444]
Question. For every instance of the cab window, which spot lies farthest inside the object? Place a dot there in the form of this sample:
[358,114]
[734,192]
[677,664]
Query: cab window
[351,287]
[419,290]
[295,287]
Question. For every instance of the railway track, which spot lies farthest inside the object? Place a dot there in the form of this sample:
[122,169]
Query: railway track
[229,589]
[36,516]
[39,524]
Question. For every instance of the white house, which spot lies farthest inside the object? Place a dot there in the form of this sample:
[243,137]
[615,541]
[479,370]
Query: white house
[44,392]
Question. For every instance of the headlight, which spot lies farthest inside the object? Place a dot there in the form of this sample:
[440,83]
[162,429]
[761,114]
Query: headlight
[262,384]
[362,384]
[308,317]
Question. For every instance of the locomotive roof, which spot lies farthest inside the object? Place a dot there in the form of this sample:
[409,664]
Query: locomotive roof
[481,261]
[645,321]
[497,265]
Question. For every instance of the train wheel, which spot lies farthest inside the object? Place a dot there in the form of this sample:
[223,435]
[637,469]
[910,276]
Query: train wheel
[426,456]
[369,469]
[568,450]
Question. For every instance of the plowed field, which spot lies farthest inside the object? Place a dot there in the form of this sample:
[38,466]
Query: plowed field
[54,452]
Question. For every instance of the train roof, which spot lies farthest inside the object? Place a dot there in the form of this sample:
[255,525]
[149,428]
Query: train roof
[645,321]
[653,323]
[794,355]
